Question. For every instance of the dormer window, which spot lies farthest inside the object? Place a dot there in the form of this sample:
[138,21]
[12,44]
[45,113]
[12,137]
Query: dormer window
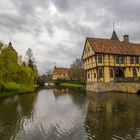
[100,58]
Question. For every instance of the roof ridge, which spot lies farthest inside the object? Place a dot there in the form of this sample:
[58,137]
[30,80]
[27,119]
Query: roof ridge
[115,41]
[113,46]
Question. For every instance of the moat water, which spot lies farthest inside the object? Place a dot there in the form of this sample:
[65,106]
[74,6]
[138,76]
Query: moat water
[70,115]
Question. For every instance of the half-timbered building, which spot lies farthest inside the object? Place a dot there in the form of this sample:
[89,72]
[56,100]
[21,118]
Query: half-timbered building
[111,61]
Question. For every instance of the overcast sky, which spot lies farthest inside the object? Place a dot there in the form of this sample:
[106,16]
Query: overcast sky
[55,30]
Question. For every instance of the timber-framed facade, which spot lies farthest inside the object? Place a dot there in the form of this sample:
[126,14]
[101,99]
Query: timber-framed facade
[60,73]
[111,60]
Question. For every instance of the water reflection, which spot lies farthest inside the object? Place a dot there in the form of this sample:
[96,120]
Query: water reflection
[113,116]
[12,111]
[61,114]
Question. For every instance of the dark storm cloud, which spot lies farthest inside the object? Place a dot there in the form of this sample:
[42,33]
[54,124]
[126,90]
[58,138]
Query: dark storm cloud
[56,29]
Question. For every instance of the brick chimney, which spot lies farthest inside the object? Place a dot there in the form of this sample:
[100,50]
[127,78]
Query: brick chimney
[126,38]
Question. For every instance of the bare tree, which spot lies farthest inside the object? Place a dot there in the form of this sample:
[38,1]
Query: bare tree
[77,72]
[29,58]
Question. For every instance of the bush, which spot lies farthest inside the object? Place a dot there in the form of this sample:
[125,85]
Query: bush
[40,82]
[59,81]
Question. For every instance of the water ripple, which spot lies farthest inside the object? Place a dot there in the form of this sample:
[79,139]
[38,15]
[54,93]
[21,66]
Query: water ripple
[68,115]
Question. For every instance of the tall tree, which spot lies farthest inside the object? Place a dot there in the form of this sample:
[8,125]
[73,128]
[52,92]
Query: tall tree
[10,62]
[31,62]
[1,65]
[29,58]
[14,70]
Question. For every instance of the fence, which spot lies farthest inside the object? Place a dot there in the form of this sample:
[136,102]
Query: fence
[128,80]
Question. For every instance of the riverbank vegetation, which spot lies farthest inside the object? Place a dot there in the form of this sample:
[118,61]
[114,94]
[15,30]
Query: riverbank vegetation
[16,75]
[74,86]
[77,72]
[76,77]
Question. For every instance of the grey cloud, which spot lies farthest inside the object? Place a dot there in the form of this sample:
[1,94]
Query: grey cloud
[63,5]
[78,18]
[11,21]
[28,6]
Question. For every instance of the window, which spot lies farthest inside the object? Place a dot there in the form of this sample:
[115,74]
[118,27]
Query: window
[100,73]
[119,59]
[131,60]
[88,75]
[136,60]
[100,58]
[94,75]
[111,73]
[134,72]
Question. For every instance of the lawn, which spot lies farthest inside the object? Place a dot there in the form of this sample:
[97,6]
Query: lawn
[73,85]
[12,88]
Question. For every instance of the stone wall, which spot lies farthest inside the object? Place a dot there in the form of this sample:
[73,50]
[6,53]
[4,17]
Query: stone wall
[111,86]
[100,86]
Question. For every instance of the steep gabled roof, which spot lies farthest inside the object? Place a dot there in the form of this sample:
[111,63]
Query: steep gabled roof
[109,46]
[114,36]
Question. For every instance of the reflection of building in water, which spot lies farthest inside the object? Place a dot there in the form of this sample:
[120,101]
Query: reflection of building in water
[60,92]
[77,98]
[111,114]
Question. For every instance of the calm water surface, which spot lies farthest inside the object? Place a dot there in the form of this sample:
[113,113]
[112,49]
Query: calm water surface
[69,115]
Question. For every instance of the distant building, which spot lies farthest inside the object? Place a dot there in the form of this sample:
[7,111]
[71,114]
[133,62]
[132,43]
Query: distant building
[110,61]
[60,73]
[43,77]
[49,77]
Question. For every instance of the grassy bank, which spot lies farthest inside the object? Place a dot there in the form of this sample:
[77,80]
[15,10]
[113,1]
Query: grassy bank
[12,88]
[74,86]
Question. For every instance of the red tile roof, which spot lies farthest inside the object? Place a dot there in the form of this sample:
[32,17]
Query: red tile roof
[114,47]
[61,70]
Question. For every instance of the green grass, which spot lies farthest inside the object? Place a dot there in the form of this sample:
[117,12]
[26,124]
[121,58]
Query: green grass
[12,88]
[73,86]
[36,86]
